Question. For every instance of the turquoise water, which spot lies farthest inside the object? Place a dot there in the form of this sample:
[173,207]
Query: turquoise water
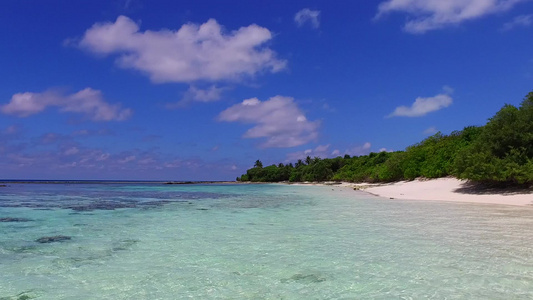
[150,241]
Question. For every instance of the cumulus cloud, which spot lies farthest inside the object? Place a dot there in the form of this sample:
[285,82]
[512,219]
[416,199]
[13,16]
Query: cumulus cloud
[278,119]
[435,14]
[519,21]
[307,16]
[193,52]
[88,102]
[423,106]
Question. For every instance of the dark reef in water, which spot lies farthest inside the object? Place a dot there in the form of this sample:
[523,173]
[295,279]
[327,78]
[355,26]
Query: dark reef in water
[21,296]
[100,206]
[86,200]
[15,220]
[305,278]
[124,244]
[52,239]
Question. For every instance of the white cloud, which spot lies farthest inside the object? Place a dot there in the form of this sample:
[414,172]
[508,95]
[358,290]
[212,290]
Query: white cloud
[71,151]
[359,150]
[194,94]
[323,151]
[147,161]
[208,95]
[519,21]
[423,106]
[102,156]
[431,130]
[435,14]
[307,16]
[127,159]
[448,89]
[193,52]
[87,101]
[278,119]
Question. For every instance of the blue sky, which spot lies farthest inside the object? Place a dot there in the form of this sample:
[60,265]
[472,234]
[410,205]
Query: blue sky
[198,90]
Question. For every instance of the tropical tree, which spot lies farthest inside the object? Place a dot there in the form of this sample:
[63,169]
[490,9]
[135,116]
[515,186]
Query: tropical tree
[258,164]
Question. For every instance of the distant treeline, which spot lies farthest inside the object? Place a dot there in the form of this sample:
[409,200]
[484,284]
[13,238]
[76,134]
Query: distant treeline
[499,152]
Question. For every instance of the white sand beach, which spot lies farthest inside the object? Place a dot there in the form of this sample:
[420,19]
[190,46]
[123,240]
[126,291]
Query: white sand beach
[440,189]
[449,189]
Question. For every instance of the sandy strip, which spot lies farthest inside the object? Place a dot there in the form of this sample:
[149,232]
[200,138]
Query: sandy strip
[450,189]
[441,189]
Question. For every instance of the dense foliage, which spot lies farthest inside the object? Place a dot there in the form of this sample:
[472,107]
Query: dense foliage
[503,152]
[499,152]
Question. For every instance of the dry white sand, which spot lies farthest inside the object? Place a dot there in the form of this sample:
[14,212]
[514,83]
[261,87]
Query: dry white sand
[440,189]
[449,189]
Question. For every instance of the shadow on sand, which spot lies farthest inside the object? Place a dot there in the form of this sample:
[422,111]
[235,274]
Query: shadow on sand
[476,188]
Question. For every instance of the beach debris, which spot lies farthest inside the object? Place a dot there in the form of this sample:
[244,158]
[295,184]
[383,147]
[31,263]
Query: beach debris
[52,239]
[332,183]
[6,220]
[3,185]
[360,187]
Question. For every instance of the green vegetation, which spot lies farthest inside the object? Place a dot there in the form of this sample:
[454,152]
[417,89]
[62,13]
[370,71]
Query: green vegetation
[501,152]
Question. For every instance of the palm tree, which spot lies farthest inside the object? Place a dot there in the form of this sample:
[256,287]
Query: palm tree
[299,163]
[258,164]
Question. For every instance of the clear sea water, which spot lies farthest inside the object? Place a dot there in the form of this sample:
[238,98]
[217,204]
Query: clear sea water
[154,241]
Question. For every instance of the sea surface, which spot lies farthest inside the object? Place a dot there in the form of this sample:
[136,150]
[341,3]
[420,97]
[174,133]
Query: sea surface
[155,241]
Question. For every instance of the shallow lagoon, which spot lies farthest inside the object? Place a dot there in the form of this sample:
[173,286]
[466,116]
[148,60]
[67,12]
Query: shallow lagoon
[152,241]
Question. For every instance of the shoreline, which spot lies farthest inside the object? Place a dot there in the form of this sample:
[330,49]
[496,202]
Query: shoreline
[440,189]
[447,189]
